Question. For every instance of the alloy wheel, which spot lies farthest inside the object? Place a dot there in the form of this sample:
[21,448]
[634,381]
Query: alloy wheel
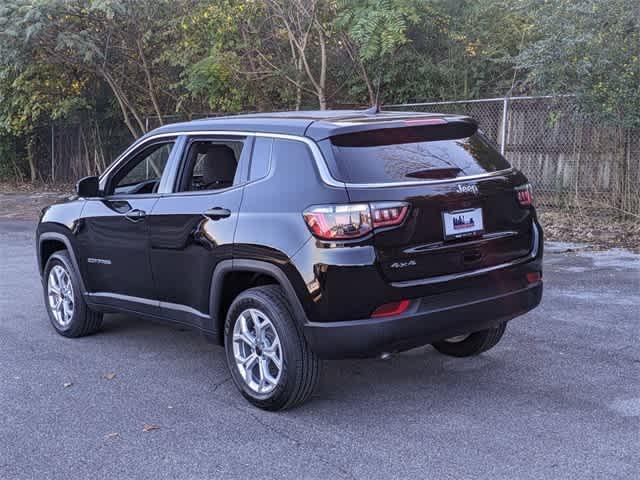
[257,351]
[60,294]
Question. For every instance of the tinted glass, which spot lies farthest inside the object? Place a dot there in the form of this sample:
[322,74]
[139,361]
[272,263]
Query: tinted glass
[396,160]
[143,173]
[211,165]
[261,158]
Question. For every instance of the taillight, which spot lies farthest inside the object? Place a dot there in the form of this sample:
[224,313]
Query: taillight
[390,309]
[533,277]
[524,194]
[386,214]
[353,220]
[339,221]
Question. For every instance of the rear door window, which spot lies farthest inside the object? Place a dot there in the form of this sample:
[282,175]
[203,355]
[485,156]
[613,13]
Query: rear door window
[407,155]
[211,165]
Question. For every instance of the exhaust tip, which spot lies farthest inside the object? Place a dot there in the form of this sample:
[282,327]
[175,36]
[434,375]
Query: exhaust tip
[385,356]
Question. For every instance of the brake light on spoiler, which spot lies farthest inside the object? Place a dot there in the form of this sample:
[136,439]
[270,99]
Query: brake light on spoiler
[425,121]
[355,220]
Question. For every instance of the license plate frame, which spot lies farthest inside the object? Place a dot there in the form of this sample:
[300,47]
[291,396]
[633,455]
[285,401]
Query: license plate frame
[468,222]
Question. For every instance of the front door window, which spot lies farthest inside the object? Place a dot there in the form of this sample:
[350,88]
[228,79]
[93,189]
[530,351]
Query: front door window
[143,173]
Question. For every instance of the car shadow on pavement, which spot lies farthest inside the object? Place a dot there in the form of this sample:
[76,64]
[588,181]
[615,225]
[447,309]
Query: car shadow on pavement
[408,379]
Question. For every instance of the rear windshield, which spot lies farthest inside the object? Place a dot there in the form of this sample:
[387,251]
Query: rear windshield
[387,156]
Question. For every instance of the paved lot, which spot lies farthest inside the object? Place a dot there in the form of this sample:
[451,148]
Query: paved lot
[558,398]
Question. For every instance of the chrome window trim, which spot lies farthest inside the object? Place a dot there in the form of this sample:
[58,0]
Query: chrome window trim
[467,178]
[125,156]
[321,164]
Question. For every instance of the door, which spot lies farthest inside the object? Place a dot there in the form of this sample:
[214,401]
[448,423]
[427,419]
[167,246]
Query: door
[192,229]
[113,235]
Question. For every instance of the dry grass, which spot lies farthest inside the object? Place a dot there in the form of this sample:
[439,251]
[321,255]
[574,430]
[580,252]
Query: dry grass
[600,228]
[37,187]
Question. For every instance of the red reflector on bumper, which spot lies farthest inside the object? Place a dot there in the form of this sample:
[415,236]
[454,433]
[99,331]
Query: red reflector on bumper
[389,309]
[533,277]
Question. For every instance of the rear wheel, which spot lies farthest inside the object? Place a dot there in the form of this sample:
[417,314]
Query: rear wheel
[471,344]
[270,361]
[67,310]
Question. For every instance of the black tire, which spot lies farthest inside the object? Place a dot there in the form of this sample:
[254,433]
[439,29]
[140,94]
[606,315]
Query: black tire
[474,344]
[300,369]
[83,321]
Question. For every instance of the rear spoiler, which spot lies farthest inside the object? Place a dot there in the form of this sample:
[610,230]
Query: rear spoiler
[409,130]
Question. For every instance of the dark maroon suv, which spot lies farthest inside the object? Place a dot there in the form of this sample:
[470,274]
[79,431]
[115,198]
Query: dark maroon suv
[297,236]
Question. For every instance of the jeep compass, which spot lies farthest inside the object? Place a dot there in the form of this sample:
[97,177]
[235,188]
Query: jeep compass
[292,237]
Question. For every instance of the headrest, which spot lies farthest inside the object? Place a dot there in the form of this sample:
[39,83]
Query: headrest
[219,165]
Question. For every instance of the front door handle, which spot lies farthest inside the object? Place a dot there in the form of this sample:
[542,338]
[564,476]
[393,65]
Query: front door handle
[135,215]
[217,213]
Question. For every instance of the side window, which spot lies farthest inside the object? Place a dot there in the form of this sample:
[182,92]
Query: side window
[261,158]
[143,173]
[211,165]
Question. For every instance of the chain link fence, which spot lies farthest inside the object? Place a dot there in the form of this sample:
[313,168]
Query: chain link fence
[570,161]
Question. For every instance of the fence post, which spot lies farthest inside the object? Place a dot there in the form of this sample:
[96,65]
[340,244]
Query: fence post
[503,130]
[53,158]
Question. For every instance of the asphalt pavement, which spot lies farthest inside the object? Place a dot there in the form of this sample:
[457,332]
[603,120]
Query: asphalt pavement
[558,398]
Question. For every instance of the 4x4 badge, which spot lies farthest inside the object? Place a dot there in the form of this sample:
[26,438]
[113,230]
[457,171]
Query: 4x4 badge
[410,263]
[468,189]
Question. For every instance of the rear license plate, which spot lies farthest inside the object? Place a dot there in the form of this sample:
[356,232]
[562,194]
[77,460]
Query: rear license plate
[462,223]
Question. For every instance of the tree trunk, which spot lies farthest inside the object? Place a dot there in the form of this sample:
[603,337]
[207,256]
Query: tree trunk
[322,96]
[125,104]
[147,74]
[299,86]
[121,104]
[354,55]
[33,168]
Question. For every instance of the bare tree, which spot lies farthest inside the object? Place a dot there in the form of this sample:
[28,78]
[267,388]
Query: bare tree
[302,22]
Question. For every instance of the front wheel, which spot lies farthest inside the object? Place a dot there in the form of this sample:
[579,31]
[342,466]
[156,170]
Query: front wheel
[269,359]
[471,344]
[68,312]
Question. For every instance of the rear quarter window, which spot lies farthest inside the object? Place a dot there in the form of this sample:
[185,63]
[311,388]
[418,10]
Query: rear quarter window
[261,158]
[395,155]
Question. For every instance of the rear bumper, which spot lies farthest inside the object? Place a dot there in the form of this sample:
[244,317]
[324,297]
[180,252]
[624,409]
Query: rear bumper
[428,320]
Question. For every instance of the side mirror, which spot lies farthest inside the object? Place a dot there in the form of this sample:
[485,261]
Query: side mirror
[88,187]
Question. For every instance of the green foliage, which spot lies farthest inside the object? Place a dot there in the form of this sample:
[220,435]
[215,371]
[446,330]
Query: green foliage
[590,48]
[36,94]
[212,80]
[378,27]
[121,61]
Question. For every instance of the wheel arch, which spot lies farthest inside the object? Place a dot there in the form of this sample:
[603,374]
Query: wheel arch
[262,273]
[51,242]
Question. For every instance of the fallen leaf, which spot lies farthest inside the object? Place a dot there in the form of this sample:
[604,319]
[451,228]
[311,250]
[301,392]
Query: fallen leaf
[110,375]
[149,427]
[112,435]
[67,385]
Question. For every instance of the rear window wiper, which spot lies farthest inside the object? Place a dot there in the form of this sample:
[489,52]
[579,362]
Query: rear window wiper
[435,173]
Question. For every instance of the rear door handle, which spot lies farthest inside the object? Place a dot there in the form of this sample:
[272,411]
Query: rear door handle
[217,213]
[135,215]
